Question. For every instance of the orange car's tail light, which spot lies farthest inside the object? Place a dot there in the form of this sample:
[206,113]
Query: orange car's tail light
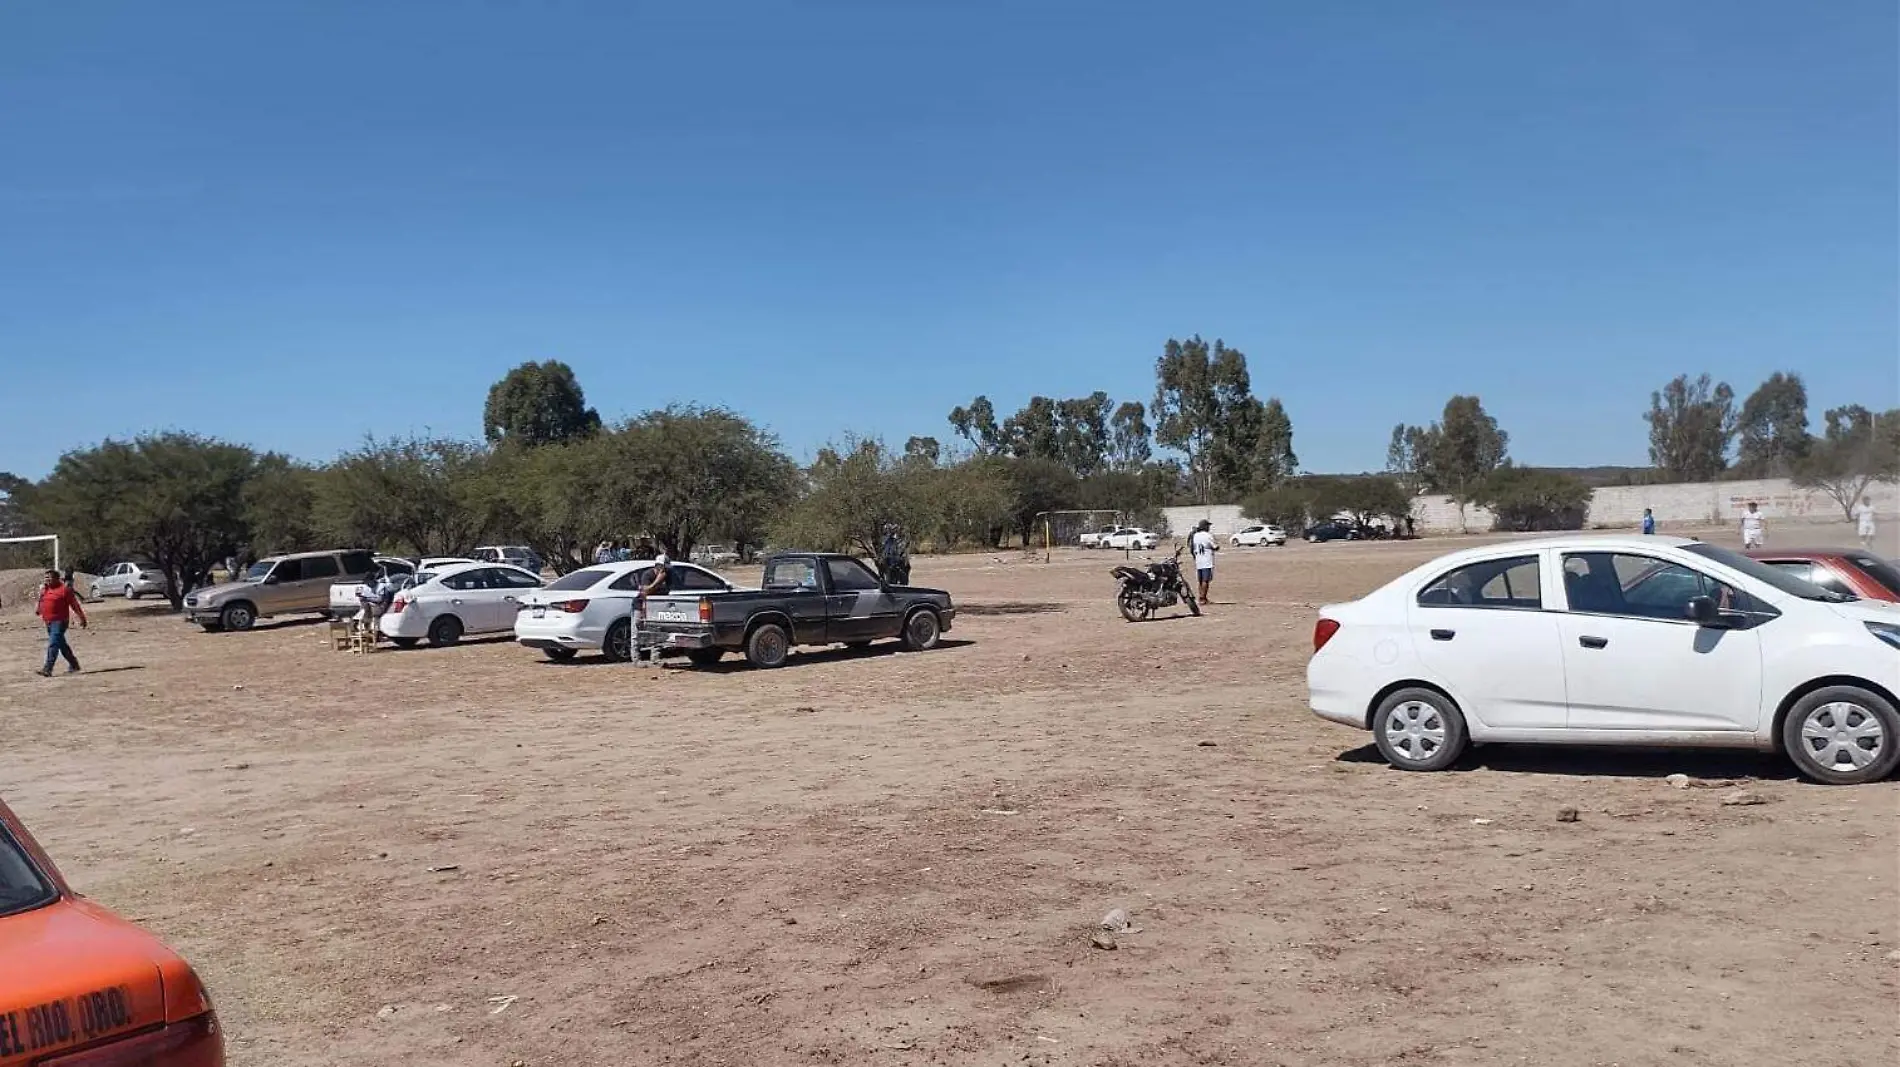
[196,1042]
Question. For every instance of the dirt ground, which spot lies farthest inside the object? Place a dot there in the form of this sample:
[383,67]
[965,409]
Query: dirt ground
[472,856]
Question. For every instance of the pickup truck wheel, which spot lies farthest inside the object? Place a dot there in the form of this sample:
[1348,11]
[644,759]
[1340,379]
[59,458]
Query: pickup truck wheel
[922,630]
[768,646]
[445,631]
[619,643]
[705,657]
[238,616]
[558,655]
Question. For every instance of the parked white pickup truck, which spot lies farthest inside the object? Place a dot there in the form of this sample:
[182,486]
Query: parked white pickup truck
[1099,538]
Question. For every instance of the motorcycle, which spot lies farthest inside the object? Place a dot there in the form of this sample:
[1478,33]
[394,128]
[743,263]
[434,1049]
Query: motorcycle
[1143,592]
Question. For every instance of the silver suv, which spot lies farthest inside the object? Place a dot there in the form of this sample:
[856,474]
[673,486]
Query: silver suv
[281,585]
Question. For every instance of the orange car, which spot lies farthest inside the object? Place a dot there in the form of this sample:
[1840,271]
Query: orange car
[81,987]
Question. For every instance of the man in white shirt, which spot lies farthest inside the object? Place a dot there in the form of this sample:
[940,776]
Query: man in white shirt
[1864,522]
[1754,527]
[1202,544]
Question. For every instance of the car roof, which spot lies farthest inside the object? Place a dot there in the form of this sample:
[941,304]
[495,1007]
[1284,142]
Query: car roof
[457,568]
[1572,542]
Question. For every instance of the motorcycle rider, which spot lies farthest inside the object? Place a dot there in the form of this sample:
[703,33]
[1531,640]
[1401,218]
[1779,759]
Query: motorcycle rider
[1203,545]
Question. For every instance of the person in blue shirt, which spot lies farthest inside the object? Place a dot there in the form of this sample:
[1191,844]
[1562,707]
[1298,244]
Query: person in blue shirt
[1649,521]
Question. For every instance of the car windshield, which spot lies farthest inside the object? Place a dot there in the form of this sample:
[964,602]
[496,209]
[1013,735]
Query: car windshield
[259,571]
[1880,571]
[22,887]
[581,579]
[1766,575]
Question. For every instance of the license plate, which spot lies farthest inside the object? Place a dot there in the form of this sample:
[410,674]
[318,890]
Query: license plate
[540,612]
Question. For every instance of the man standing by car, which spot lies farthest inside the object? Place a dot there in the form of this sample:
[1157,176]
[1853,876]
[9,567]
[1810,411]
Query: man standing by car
[659,583]
[1754,527]
[1203,546]
[895,556]
[58,604]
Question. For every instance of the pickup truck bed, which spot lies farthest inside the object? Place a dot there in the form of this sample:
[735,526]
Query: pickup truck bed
[806,599]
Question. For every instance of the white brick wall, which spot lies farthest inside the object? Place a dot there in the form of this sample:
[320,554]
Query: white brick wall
[1617,506]
[1223,519]
[1680,504]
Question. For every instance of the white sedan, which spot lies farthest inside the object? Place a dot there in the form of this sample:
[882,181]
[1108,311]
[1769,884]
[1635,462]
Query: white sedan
[1258,535]
[457,599]
[129,580]
[592,608]
[1133,538]
[1612,641]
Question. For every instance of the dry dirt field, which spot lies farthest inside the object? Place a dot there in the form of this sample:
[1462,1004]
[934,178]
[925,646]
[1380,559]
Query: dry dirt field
[472,856]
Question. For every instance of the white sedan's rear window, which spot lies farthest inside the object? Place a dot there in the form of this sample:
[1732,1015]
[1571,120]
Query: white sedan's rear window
[581,579]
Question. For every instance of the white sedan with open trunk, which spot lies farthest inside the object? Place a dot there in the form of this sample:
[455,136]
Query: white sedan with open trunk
[1610,641]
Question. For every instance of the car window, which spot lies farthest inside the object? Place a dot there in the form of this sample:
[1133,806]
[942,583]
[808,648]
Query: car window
[692,578]
[633,581]
[508,578]
[320,567]
[1513,582]
[850,576]
[577,580]
[1880,571]
[21,885]
[475,578]
[791,575]
[1799,568]
[1824,576]
[358,562]
[1623,583]
[1761,572]
[288,570]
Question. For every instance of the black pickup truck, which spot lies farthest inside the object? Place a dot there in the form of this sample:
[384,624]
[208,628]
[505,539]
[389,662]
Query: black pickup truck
[806,598]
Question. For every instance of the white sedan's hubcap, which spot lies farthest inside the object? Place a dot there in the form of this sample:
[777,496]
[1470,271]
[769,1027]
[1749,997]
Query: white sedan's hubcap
[1842,736]
[1415,731]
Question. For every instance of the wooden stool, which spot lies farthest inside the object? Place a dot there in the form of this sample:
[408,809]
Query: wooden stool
[339,634]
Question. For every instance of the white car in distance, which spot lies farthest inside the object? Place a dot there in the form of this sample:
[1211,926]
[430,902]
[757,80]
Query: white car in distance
[458,599]
[1257,535]
[1133,538]
[591,609]
[129,580]
[1613,641]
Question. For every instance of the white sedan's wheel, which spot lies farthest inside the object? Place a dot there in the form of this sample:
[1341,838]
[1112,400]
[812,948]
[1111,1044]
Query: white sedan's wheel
[1419,730]
[1842,735]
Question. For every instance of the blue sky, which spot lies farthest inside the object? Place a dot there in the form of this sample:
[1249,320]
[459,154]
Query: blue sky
[295,224]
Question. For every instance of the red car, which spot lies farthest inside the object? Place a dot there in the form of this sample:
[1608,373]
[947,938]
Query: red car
[81,987]
[1853,571]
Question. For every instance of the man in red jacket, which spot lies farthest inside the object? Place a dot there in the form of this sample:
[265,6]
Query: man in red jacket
[58,603]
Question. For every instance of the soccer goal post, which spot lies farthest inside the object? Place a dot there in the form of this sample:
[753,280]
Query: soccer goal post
[1067,527]
[54,538]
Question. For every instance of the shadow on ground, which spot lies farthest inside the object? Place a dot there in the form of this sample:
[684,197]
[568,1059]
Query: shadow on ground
[1594,761]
